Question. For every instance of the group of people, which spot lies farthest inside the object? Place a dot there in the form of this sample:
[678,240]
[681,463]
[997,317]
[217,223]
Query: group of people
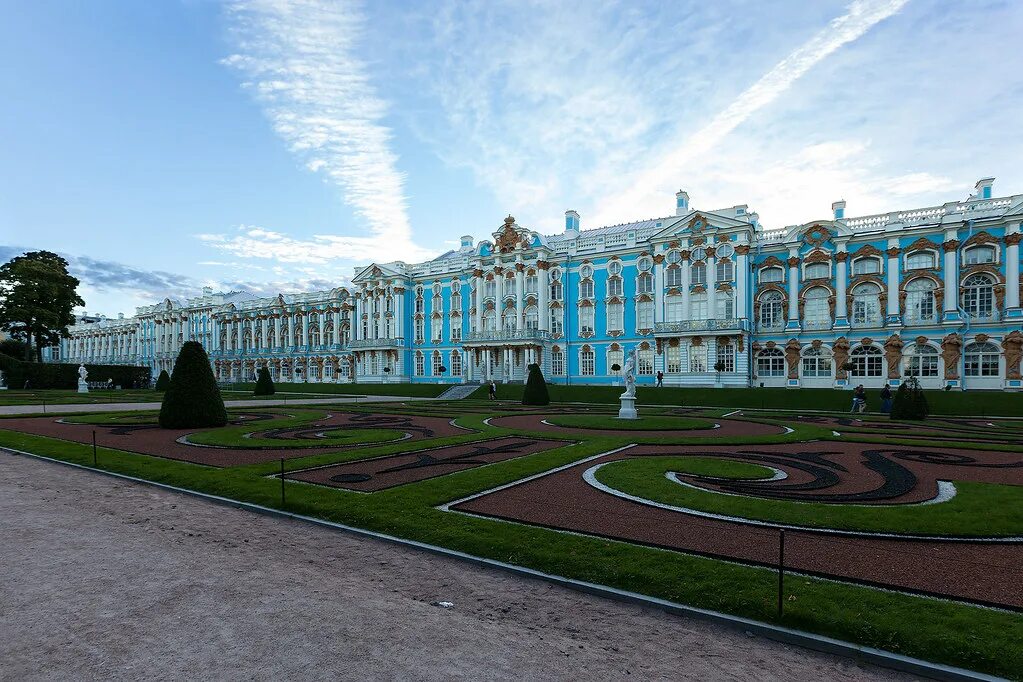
[859,401]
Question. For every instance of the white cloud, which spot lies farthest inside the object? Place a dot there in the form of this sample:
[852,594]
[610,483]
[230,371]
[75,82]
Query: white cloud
[300,62]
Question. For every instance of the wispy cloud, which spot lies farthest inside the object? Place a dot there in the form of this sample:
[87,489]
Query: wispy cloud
[300,61]
[652,184]
[252,242]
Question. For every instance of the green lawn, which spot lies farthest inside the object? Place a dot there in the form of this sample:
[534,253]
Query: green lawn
[610,421]
[959,403]
[400,389]
[934,629]
[67,397]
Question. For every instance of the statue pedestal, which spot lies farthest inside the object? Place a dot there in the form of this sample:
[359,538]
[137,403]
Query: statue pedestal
[83,386]
[628,408]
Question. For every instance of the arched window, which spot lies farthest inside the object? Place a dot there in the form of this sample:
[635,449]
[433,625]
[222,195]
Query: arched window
[489,320]
[725,250]
[532,317]
[920,300]
[673,307]
[420,363]
[646,283]
[586,362]
[438,364]
[726,357]
[673,359]
[645,315]
[614,268]
[816,311]
[866,310]
[981,359]
[698,307]
[979,254]
[531,282]
[772,314]
[725,271]
[455,322]
[920,360]
[586,319]
[508,319]
[645,361]
[817,362]
[979,296]
[866,361]
[697,359]
[771,275]
[673,257]
[556,291]
[674,276]
[866,266]
[490,288]
[456,363]
[699,273]
[771,363]
[557,362]
[557,324]
[615,356]
[420,331]
[314,336]
[920,260]
[615,317]
[725,301]
[586,289]
[817,271]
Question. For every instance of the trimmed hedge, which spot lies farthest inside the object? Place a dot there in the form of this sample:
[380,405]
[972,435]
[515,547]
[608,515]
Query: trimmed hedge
[162,381]
[535,392]
[265,384]
[910,401]
[192,400]
[65,375]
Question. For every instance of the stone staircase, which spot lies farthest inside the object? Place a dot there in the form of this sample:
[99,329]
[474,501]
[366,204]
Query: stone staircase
[458,392]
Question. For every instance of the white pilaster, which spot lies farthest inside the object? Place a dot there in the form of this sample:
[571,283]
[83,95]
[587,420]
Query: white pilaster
[793,322]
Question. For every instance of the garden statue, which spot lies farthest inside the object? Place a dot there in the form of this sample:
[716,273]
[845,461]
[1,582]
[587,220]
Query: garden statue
[3,381]
[628,399]
[83,386]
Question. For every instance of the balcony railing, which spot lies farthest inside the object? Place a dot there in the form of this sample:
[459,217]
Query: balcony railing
[507,335]
[683,326]
[355,344]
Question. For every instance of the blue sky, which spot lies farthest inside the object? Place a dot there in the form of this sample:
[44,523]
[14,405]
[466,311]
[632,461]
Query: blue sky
[273,145]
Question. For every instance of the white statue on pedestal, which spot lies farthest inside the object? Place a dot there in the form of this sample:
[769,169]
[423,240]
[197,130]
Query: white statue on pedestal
[628,399]
[83,386]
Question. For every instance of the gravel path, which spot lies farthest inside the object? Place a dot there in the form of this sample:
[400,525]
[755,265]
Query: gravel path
[105,579]
[37,408]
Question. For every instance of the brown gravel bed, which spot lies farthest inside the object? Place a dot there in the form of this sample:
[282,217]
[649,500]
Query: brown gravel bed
[368,475]
[728,428]
[990,573]
[163,442]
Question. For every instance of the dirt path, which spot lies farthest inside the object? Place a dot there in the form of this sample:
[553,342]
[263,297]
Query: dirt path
[113,580]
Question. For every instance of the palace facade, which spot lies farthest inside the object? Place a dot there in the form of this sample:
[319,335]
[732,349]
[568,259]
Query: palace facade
[709,298]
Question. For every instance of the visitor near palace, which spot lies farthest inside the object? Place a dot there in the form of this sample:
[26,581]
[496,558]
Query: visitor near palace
[492,390]
[886,399]
[660,378]
[859,403]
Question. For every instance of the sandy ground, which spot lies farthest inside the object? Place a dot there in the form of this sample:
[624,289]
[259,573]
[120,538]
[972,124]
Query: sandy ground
[104,579]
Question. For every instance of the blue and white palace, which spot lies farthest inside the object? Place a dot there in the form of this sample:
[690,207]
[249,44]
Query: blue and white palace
[708,297]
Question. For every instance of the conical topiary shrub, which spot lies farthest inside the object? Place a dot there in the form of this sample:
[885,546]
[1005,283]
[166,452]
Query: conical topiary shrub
[162,381]
[536,388]
[192,399]
[910,401]
[264,384]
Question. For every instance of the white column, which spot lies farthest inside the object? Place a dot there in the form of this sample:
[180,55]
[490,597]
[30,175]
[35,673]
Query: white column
[951,274]
[357,322]
[478,283]
[893,278]
[658,291]
[520,295]
[543,304]
[712,294]
[290,341]
[399,315]
[741,280]
[1012,239]
[841,282]
[336,340]
[305,329]
[793,287]
[499,288]
[686,264]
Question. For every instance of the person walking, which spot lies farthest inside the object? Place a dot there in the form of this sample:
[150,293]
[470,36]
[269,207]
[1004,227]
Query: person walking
[859,402]
[492,390]
[886,399]
[660,379]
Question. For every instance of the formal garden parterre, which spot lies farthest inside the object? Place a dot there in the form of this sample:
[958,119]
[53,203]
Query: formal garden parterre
[685,504]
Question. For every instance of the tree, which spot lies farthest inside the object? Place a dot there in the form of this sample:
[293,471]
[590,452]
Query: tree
[15,348]
[264,384]
[163,381]
[536,388]
[37,300]
[192,399]
[910,401]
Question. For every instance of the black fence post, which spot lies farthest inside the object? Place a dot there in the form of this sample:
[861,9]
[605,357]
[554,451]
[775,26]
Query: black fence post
[94,460]
[781,572]
[282,483]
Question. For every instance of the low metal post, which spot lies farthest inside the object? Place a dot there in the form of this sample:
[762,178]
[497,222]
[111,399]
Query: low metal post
[94,459]
[781,571]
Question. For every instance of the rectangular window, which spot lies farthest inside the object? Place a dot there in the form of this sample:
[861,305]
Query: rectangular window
[614,287]
[586,363]
[420,338]
[771,365]
[557,363]
[674,309]
[674,359]
[645,315]
[420,365]
[726,356]
[615,317]
[586,319]
[456,330]
[615,357]
[437,329]
[557,325]
[697,359]
[456,364]
[645,361]
[556,291]
[438,363]
[922,365]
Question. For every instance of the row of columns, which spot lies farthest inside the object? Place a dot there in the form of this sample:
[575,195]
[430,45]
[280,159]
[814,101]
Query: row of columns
[371,299]
[261,328]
